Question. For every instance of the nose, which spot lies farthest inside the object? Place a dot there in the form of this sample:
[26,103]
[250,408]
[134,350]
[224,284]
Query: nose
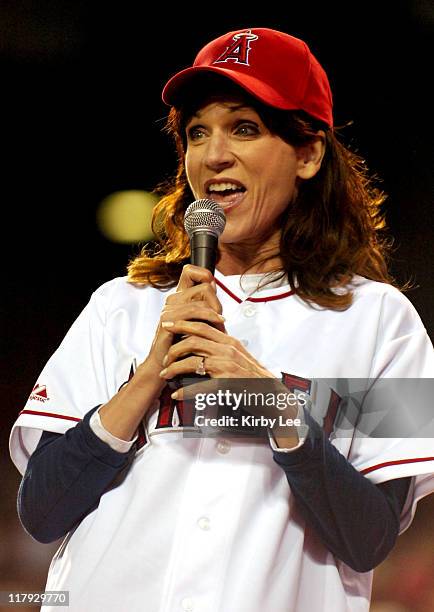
[218,154]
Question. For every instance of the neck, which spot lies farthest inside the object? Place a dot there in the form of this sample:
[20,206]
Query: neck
[241,258]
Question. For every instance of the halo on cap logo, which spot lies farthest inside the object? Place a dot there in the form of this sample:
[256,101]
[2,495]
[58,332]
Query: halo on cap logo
[239,50]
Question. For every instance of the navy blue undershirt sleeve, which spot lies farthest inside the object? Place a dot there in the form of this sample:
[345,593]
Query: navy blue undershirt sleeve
[356,520]
[65,478]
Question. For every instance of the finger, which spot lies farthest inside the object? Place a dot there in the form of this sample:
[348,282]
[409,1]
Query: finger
[215,367]
[199,329]
[210,342]
[176,359]
[202,292]
[184,325]
[164,337]
[184,367]
[192,275]
[191,391]
[189,313]
[202,339]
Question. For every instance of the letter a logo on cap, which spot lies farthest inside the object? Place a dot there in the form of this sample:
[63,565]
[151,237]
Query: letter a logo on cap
[238,51]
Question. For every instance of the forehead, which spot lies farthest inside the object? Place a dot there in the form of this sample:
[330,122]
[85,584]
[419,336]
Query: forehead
[226,105]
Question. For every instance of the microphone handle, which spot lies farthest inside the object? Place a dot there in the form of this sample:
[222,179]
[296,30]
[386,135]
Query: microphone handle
[203,247]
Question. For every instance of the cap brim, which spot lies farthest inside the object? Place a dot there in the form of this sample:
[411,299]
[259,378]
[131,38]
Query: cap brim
[175,87]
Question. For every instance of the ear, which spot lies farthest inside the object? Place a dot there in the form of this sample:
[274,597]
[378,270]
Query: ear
[310,156]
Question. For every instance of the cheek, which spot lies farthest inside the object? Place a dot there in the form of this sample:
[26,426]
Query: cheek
[284,179]
[190,169]
[280,188]
[279,165]
[286,190]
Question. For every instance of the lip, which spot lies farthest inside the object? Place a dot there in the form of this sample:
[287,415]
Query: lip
[235,203]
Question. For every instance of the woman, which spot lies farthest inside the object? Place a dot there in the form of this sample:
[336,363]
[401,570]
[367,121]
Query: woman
[157,518]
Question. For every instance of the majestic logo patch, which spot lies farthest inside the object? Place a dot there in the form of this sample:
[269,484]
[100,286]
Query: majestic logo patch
[39,393]
[239,50]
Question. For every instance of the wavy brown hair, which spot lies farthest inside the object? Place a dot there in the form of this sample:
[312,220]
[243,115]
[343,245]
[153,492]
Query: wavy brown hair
[333,229]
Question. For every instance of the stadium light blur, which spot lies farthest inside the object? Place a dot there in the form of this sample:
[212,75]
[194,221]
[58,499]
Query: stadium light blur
[125,216]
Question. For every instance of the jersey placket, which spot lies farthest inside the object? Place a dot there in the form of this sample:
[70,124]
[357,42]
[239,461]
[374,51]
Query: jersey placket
[207,521]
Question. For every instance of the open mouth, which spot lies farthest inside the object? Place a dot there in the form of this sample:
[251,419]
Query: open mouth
[225,192]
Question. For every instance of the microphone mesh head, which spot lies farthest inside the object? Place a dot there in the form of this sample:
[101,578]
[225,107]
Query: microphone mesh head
[204,215]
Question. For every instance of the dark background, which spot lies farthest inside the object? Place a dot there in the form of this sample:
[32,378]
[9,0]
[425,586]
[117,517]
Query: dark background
[81,118]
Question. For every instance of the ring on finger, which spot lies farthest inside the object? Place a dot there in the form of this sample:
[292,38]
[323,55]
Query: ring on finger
[201,367]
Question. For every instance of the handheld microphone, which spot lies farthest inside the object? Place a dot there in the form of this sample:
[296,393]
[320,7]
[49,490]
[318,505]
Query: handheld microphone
[204,221]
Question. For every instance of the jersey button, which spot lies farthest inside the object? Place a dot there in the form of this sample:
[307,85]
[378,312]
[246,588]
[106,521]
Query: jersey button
[187,604]
[204,523]
[249,311]
[223,447]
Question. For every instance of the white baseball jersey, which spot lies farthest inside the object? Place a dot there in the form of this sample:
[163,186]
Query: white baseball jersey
[210,524]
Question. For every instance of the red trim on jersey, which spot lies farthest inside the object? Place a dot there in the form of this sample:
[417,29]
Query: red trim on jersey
[251,299]
[397,462]
[50,414]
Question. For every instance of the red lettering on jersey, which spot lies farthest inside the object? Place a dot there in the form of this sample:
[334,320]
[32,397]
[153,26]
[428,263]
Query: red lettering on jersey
[130,375]
[141,434]
[239,50]
[167,409]
[165,413]
[332,411]
[297,383]
[141,437]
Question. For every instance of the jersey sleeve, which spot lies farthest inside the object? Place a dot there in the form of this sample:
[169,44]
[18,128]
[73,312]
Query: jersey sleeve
[75,379]
[400,440]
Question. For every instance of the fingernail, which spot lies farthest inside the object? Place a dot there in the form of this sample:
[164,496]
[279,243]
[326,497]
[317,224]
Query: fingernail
[213,285]
[174,395]
[221,317]
[167,324]
[165,360]
[163,372]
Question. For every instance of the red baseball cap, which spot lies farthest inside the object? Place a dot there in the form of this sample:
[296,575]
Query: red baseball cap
[275,67]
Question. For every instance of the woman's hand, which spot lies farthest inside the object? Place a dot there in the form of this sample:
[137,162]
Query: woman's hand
[225,356]
[194,299]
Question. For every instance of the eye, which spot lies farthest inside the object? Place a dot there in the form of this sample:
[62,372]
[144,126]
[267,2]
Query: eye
[247,128]
[195,132]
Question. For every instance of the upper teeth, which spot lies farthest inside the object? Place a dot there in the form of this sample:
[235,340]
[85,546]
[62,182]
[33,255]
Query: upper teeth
[222,186]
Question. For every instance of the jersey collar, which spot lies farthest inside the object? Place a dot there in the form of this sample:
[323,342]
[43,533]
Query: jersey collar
[242,288]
